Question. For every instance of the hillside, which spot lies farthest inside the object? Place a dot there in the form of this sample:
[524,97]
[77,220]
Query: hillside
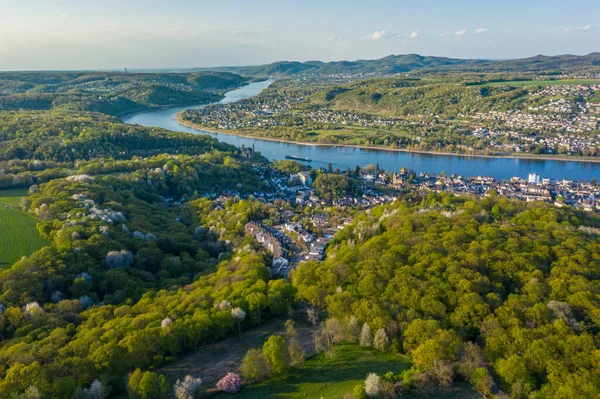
[109,92]
[394,64]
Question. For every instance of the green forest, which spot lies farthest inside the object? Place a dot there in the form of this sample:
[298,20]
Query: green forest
[111,92]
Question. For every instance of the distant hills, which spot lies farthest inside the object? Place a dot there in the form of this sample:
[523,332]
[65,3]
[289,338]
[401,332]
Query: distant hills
[110,92]
[394,64]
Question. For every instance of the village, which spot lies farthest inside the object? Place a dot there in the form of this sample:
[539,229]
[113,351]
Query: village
[306,227]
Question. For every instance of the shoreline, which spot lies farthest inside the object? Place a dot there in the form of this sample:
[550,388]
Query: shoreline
[424,152]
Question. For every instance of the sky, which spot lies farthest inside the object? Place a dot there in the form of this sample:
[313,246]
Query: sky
[115,34]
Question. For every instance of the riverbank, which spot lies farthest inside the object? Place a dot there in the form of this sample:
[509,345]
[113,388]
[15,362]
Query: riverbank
[544,157]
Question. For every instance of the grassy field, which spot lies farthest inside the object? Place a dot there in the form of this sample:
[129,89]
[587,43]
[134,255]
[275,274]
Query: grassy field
[519,83]
[212,362]
[18,234]
[321,377]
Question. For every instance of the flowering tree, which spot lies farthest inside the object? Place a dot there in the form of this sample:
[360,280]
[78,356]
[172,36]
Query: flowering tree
[33,309]
[366,338]
[372,385]
[381,340]
[116,259]
[238,315]
[187,388]
[95,391]
[231,383]
[224,304]
[166,322]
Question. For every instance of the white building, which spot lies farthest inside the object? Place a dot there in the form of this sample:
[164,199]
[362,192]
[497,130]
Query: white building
[305,178]
[533,178]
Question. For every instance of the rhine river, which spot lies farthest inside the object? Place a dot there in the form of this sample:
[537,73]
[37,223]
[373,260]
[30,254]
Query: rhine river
[344,157]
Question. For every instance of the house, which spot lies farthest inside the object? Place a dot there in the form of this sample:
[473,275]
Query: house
[304,178]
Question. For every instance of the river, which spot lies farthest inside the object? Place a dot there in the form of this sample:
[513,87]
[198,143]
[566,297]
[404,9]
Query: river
[344,157]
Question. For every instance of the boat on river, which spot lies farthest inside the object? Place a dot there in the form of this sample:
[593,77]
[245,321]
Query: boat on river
[298,158]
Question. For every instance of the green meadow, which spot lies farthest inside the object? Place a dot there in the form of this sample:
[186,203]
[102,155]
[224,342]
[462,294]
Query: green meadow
[18,234]
[328,377]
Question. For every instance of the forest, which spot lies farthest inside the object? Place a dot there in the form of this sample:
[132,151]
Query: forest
[113,93]
[470,289]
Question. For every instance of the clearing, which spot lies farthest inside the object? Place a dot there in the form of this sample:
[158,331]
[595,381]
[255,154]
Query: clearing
[329,377]
[18,234]
[214,361]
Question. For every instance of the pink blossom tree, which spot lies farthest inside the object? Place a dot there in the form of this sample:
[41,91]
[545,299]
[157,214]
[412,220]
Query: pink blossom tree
[231,383]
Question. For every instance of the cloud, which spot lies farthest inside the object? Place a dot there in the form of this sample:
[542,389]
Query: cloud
[444,34]
[414,35]
[378,35]
[335,39]
[461,33]
[578,29]
[481,30]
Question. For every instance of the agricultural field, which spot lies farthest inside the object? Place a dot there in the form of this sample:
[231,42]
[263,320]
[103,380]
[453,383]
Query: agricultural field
[519,83]
[18,234]
[328,377]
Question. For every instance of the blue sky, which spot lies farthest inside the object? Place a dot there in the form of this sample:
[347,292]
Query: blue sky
[100,34]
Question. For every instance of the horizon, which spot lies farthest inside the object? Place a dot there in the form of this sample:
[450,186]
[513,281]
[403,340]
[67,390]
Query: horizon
[110,35]
[177,69]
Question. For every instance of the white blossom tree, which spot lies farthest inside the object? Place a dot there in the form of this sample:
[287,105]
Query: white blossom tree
[366,338]
[187,388]
[166,322]
[238,315]
[33,309]
[372,385]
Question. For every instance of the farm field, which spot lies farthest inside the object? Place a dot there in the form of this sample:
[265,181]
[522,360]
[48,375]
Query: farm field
[518,83]
[18,234]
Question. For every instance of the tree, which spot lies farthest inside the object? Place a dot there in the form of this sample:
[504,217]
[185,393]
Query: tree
[334,331]
[95,391]
[153,386]
[372,385]
[134,383]
[187,388]
[296,351]
[231,383]
[381,341]
[254,366]
[277,355]
[482,381]
[32,393]
[352,330]
[257,301]
[443,347]
[331,186]
[238,315]
[313,316]
[366,338]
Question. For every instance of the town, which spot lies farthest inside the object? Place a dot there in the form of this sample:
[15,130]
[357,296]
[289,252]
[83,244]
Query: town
[559,119]
[307,221]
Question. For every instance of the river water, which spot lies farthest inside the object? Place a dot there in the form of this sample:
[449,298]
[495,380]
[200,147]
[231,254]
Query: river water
[344,157]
